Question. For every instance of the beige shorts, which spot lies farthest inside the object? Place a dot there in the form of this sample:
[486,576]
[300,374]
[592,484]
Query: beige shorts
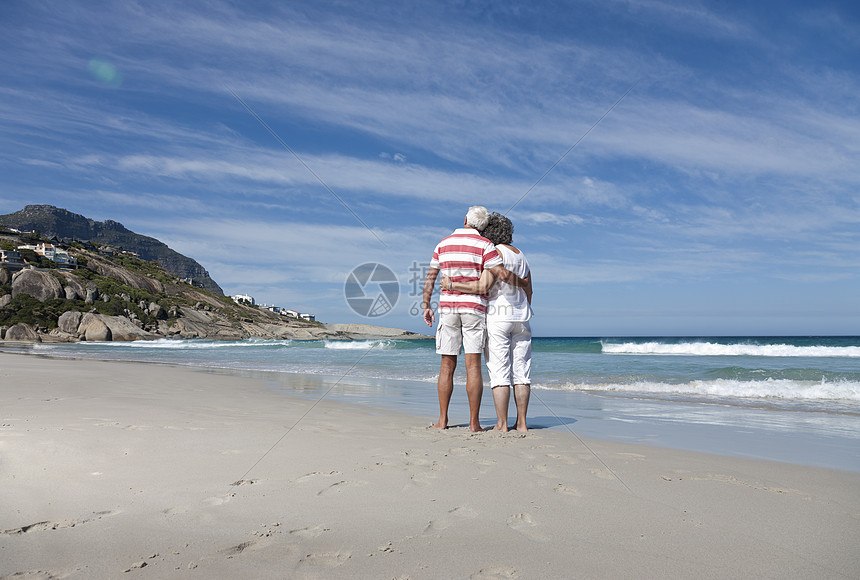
[463,329]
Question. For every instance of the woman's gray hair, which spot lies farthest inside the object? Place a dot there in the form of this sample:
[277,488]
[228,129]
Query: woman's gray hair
[477,216]
[499,229]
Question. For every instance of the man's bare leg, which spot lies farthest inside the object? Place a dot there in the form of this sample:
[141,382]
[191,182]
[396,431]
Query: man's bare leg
[501,399]
[521,397]
[474,389]
[445,387]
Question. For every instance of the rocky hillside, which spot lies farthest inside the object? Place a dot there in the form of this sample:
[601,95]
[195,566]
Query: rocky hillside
[51,221]
[126,298]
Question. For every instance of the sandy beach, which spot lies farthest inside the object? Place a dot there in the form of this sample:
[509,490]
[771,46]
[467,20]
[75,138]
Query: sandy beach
[131,470]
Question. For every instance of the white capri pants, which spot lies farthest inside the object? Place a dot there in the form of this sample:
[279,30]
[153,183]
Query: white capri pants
[509,353]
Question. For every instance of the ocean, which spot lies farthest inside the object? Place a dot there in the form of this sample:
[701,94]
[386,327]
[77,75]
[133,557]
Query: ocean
[792,399]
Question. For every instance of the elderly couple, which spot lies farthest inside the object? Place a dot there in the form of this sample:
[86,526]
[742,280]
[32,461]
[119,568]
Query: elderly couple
[485,301]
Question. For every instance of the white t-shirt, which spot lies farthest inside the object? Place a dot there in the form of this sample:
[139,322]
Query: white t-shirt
[508,303]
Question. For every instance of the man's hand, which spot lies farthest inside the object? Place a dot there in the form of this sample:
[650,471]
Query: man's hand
[509,277]
[427,295]
[429,318]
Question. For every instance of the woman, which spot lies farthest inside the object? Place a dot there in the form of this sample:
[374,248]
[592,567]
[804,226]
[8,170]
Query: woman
[509,336]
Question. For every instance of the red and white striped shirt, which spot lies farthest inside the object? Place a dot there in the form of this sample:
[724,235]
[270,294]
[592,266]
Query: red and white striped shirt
[463,256]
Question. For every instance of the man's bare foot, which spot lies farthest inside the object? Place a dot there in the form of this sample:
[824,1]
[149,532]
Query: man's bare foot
[522,429]
[439,425]
[476,428]
[497,427]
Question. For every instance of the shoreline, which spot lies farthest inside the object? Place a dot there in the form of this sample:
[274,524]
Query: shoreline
[802,437]
[162,471]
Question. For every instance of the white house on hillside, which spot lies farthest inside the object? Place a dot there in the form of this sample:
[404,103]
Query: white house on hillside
[244,298]
[53,253]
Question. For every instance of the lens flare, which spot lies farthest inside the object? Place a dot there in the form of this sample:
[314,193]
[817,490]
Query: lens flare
[105,72]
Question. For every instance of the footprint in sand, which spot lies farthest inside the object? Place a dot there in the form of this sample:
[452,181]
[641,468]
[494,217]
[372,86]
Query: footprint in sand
[339,487]
[175,510]
[525,524]
[244,482]
[49,525]
[567,490]
[314,475]
[485,465]
[452,517]
[239,548]
[328,559]
[423,471]
[309,532]
[219,500]
[34,575]
[497,573]
[602,473]
[563,458]
[462,451]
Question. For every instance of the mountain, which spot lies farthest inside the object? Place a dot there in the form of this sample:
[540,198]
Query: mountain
[53,221]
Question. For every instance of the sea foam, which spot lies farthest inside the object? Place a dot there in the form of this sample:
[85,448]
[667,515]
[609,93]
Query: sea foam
[717,349]
[768,389]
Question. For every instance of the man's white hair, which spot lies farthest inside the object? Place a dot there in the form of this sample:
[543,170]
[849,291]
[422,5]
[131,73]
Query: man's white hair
[477,217]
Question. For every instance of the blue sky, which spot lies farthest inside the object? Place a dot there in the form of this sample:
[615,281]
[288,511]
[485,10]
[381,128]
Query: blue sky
[720,196]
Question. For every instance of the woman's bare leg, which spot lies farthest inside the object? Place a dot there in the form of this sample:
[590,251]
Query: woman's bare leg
[501,399]
[521,397]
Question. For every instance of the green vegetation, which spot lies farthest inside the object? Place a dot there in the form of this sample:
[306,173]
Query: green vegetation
[36,260]
[145,267]
[24,308]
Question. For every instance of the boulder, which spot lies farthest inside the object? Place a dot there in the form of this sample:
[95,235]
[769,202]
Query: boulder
[124,329]
[5,276]
[5,300]
[157,311]
[22,332]
[40,284]
[93,328]
[58,335]
[133,279]
[69,322]
[92,295]
[75,283]
[119,328]
[72,294]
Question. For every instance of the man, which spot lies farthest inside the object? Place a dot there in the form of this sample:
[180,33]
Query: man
[462,256]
